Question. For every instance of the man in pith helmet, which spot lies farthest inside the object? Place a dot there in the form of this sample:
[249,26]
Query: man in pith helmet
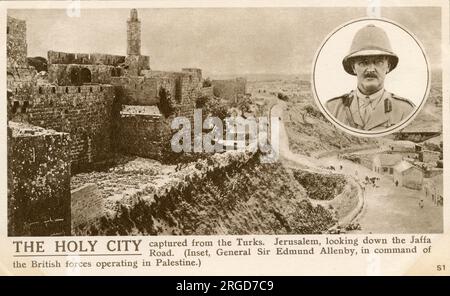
[369,106]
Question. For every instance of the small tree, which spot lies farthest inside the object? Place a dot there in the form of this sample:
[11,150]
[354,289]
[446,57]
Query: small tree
[283,97]
[207,82]
[216,107]
[165,104]
[201,102]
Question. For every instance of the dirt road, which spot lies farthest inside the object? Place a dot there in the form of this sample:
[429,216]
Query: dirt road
[391,209]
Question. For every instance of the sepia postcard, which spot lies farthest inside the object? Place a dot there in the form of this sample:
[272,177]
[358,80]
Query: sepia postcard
[225,137]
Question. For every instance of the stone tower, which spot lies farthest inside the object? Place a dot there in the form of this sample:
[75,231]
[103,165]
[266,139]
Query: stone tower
[133,34]
[135,62]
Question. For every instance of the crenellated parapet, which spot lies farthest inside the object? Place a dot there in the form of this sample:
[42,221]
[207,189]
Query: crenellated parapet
[77,74]
[83,89]
[84,112]
[58,57]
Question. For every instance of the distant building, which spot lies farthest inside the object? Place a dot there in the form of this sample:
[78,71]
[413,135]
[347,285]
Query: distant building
[405,148]
[384,163]
[429,156]
[408,175]
[431,172]
[402,146]
[434,189]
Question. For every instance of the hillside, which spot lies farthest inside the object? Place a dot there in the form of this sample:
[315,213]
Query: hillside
[430,117]
[250,198]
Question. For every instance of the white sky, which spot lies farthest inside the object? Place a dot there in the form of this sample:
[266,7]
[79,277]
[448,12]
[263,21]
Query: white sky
[218,40]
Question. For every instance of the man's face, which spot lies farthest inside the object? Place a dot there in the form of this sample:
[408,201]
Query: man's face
[370,72]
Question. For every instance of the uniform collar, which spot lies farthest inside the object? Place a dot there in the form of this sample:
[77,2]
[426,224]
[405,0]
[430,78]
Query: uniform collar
[373,99]
[378,116]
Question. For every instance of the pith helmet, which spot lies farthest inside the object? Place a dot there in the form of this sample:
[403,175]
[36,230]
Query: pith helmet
[370,41]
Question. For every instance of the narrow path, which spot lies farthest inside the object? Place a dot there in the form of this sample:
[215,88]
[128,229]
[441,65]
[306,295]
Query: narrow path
[303,161]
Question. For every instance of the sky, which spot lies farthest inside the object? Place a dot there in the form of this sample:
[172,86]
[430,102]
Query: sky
[220,41]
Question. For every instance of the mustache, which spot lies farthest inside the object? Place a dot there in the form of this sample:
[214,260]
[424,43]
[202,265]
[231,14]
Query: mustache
[370,75]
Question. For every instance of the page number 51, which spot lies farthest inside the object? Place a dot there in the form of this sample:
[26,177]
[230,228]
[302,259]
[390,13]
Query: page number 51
[440,267]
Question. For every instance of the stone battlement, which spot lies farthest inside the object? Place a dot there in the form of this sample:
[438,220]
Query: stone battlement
[83,89]
[32,92]
[58,57]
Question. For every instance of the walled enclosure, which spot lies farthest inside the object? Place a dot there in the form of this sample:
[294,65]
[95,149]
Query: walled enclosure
[73,121]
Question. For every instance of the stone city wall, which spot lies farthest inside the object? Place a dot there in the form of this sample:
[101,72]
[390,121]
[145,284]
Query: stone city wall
[39,181]
[136,90]
[56,57]
[16,44]
[190,90]
[85,112]
[74,74]
[207,92]
[143,135]
[86,202]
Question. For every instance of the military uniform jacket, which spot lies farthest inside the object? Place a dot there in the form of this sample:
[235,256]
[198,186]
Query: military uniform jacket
[388,110]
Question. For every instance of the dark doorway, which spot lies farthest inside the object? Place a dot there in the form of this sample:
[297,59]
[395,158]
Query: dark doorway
[75,76]
[85,76]
[165,104]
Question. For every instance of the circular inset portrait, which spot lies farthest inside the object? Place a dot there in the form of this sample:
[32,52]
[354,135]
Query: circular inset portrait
[371,77]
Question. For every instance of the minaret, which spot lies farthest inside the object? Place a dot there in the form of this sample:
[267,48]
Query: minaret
[133,34]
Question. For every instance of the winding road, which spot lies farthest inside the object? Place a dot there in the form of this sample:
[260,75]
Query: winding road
[387,208]
[391,209]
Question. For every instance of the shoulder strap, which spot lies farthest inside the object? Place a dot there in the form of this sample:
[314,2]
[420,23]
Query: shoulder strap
[403,99]
[388,109]
[347,101]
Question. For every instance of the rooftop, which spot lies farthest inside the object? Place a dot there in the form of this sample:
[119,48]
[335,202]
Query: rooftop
[388,159]
[403,166]
[140,110]
[21,129]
